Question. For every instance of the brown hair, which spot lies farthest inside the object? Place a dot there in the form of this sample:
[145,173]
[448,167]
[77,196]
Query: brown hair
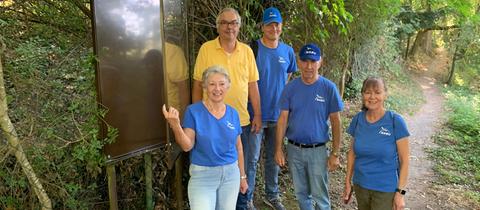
[372,82]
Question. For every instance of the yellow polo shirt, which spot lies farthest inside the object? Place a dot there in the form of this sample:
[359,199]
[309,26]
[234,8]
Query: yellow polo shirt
[241,67]
[177,71]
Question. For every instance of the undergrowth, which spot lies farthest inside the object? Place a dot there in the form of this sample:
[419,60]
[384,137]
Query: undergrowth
[458,155]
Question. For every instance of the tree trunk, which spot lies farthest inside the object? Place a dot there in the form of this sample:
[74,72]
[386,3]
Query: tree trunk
[345,69]
[405,57]
[14,143]
[452,68]
[422,44]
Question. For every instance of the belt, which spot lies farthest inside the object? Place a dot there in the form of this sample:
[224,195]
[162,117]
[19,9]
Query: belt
[306,145]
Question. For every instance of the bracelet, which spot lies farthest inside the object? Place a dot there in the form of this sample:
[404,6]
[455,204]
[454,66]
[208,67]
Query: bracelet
[243,177]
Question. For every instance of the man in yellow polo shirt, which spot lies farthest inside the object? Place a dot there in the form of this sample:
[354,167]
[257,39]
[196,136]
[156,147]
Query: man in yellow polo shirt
[238,59]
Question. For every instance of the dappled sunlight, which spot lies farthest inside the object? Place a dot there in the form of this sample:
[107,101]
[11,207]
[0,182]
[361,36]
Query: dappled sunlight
[425,87]
[459,80]
[6,3]
[418,67]
[429,82]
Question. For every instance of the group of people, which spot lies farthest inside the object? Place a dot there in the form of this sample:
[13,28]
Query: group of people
[242,98]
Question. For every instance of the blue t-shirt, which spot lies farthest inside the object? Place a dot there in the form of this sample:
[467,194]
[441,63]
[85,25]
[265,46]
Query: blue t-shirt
[309,108]
[215,139]
[273,65]
[376,157]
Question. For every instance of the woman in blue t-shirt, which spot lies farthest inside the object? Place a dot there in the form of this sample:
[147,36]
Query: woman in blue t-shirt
[211,132]
[378,156]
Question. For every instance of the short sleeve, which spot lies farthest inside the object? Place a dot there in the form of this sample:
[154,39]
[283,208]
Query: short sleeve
[238,126]
[189,119]
[336,103]
[399,127]
[353,125]
[200,64]
[293,64]
[252,65]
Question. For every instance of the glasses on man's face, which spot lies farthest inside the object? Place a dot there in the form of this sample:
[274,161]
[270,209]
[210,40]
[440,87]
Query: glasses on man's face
[233,23]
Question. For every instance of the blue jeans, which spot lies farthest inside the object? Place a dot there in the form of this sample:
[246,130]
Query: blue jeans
[251,150]
[271,169]
[310,176]
[211,188]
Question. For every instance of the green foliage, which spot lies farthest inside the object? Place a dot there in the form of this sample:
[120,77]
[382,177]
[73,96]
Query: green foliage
[53,106]
[378,56]
[466,111]
[401,97]
[467,72]
[458,155]
[327,17]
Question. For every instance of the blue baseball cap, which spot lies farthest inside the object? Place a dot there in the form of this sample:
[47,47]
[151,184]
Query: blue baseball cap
[310,52]
[270,15]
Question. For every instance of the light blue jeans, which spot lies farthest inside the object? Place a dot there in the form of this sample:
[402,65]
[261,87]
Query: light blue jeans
[308,167]
[211,188]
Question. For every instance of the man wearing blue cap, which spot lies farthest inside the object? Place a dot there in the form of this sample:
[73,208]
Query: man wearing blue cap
[306,104]
[275,62]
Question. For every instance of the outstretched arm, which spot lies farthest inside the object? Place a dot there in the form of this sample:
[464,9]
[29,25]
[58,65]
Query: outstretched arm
[185,138]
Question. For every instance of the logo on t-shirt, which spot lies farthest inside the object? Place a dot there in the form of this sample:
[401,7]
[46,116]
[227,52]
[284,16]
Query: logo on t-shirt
[319,98]
[281,59]
[384,131]
[230,125]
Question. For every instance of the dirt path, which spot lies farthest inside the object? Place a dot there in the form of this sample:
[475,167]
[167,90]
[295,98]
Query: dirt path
[423,125]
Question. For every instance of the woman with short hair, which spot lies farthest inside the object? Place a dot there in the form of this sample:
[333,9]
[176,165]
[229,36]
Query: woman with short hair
[211,132]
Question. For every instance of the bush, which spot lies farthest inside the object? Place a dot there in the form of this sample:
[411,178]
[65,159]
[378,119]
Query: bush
[458,157]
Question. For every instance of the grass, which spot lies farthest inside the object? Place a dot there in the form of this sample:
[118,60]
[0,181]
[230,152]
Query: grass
[457,159]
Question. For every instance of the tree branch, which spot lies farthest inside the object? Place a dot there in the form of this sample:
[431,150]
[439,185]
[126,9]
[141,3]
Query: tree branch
[441,28]
[14,143]
[85,10]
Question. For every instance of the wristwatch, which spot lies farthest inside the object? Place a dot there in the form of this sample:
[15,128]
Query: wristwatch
[401,191]
[243,177]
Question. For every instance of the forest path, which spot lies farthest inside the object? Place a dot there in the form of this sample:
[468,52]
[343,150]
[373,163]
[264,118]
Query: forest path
[423,125]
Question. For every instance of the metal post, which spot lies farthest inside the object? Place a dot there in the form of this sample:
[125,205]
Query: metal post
[112,187]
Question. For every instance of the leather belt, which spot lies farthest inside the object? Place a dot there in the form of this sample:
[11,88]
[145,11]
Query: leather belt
[306,145]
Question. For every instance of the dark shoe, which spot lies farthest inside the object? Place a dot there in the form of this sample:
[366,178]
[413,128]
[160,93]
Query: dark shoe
[275,203]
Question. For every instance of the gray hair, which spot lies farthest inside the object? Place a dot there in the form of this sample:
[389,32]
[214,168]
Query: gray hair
[216,69]
[229,9]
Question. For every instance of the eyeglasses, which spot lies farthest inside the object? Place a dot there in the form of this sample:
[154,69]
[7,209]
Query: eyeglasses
[233,23]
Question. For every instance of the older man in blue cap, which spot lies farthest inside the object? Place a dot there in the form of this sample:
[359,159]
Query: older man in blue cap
[275,62]
[306,104]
